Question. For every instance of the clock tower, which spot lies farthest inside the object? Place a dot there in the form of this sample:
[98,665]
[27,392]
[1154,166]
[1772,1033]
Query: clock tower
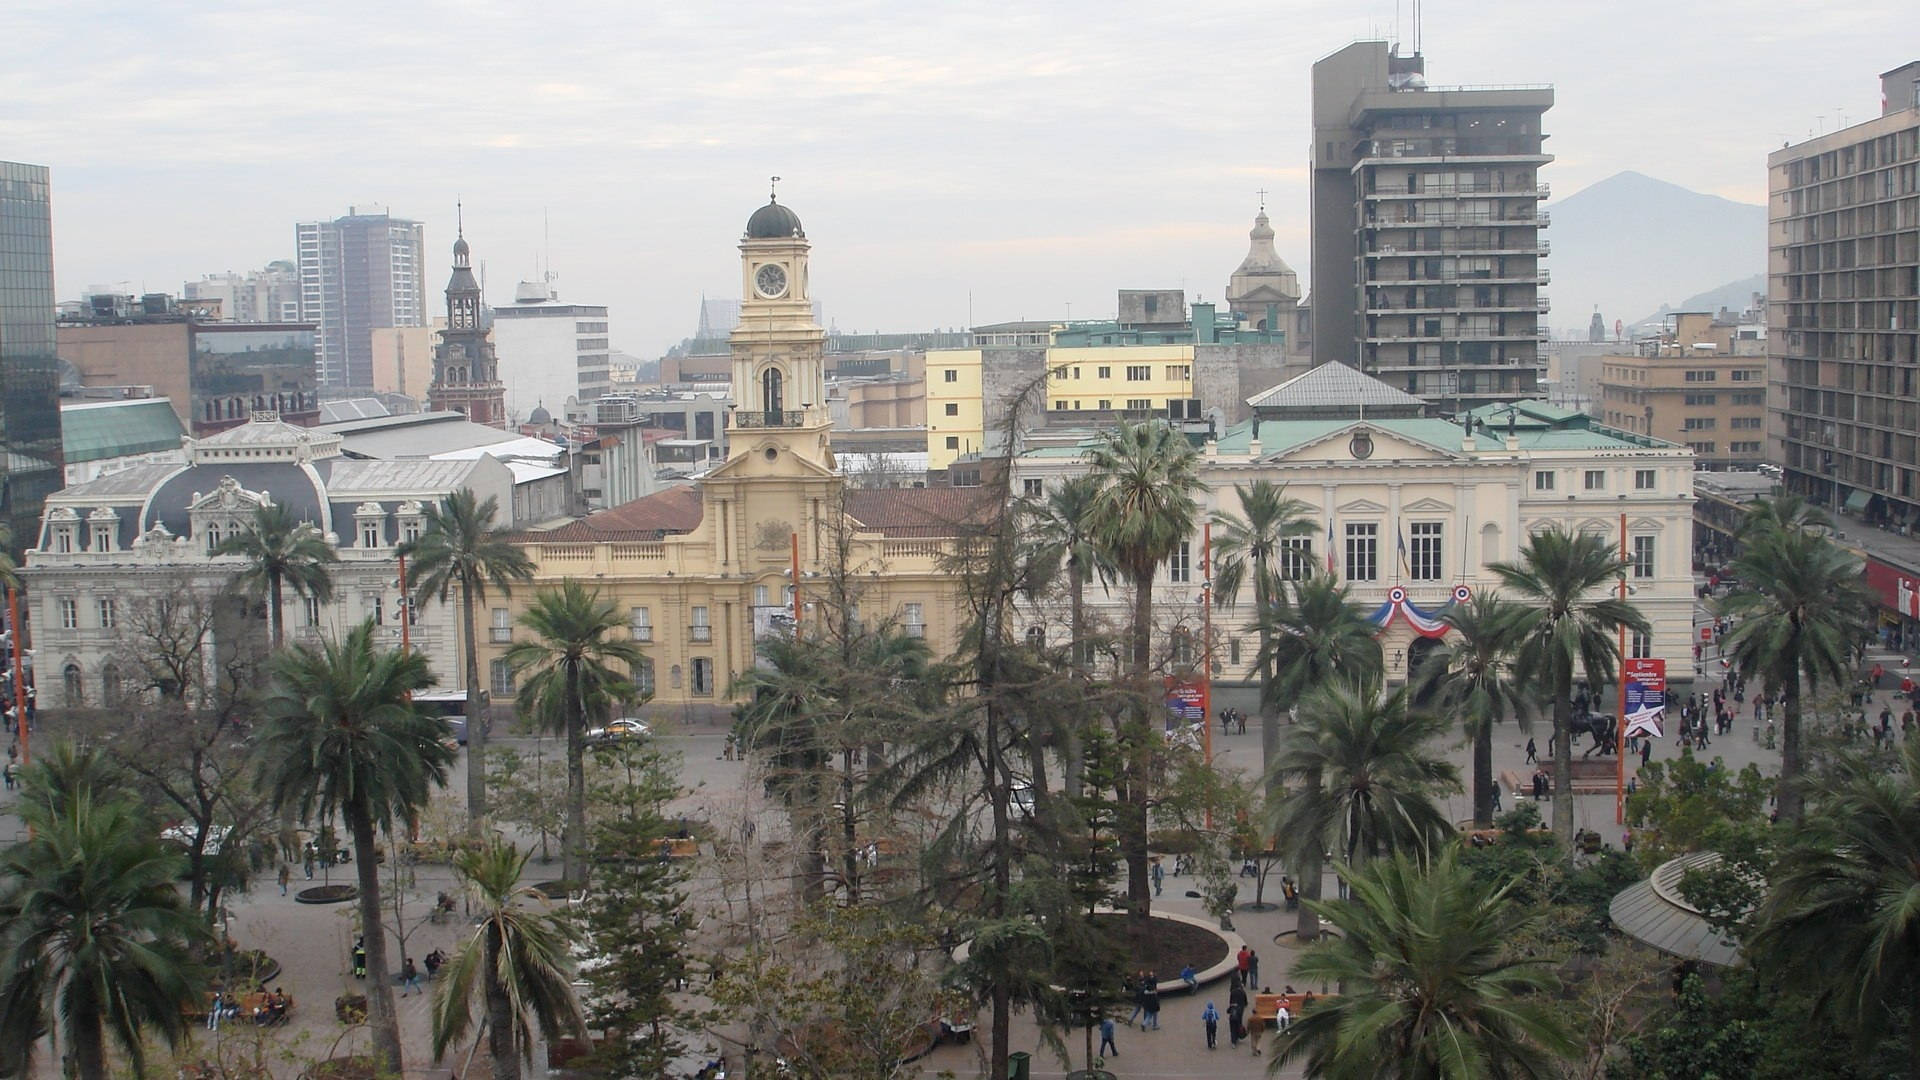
[779,376]
[466,373]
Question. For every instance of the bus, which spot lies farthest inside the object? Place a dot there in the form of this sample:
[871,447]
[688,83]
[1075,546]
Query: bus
[451,707]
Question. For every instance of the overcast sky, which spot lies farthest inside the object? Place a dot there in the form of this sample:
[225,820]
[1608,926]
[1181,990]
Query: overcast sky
[950,162]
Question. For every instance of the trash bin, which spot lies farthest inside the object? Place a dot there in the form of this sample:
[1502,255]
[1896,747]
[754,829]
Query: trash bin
[1019,1065]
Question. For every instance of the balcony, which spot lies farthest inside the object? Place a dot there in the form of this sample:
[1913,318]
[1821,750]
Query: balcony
[915,629]
[700,633]
[500,635]
[1545,191]
[642,633]
[1545,278]
[780,418]
[1543,248]
[1543,305]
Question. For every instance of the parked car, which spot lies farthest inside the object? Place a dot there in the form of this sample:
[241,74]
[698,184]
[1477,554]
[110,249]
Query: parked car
[619,731]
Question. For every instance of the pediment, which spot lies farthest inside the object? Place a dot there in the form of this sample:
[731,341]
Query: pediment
[1361,506]
[754,463]
[1381,444]
[1427,506]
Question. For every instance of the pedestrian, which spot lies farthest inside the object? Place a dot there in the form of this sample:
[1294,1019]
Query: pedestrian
[359,958]
[1130,986]
[1533,753]
[1150,1001]
[286,875]
[1646,751]
[306,864]
[1107,1049]
[1496,798]
[1256,1027]
[1158,873]
[1241,960]
[1236,1010]
[1253,968]
[1210,1016]
[409,978]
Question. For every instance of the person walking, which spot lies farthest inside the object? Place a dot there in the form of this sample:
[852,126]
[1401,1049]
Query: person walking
[409,978]
[359,958]
[1159,875]
[1210,1016]
[1256,1028]
[286,875]
[1150,1001]
[1253,968]
[1241,960]
[1107,1049]
[1130,986]
[1533,752]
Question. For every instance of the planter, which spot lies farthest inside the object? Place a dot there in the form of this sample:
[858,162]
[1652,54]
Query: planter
[554,890]
[327,894]
[250,968]
[350,1008]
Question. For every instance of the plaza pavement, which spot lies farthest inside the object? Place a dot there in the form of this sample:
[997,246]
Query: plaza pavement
[313,942]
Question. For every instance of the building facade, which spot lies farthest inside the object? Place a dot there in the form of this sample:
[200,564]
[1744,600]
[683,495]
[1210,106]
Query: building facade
[134,537]
[1698,385]
[704,569]
[269,295]
[1427,256]
[1843,308]
[29,364]
[466,371]
[1411,509]
[358,272]
[550,351]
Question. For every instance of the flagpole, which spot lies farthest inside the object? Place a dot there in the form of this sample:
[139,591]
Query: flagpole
[1206,651]
[1619,737]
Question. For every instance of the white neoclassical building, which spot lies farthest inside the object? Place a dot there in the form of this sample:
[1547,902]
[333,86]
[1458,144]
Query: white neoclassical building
[1413,508]
[108,544]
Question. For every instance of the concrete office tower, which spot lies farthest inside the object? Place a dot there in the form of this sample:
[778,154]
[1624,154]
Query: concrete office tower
[1843,321]
[1427,256]
[31,467]
[550,351]
[359,272]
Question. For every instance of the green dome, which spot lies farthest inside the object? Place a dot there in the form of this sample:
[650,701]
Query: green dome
[773,222]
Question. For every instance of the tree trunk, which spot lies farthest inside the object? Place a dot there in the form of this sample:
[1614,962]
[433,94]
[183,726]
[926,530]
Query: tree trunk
[573,840]
[89,1040]
[500,1026]
[275,634]
[1312,869]
[999,996]
[382,1020]
[850,829]
[1483,773]
[476,719]
[1789,800]
[1074,751]
[1269,708]
[1139,755]
[1563,763]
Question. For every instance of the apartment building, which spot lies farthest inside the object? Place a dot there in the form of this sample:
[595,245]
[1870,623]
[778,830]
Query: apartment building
[1700,384]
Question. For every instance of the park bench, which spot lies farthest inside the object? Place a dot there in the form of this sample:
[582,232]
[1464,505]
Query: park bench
[1267,1006]
[679,847]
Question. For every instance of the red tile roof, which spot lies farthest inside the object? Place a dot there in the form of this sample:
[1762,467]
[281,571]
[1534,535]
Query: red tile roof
[663,513]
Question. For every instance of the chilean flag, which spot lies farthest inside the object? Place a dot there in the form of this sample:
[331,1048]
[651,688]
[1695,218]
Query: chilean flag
[1330,563]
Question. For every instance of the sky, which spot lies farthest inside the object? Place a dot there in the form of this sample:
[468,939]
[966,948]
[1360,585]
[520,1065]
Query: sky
[952,163]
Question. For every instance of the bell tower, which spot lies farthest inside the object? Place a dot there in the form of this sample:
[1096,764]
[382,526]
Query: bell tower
[466,372]
[779,374]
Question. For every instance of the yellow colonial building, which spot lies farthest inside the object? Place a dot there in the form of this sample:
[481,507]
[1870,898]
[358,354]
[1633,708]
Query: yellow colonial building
[704,571]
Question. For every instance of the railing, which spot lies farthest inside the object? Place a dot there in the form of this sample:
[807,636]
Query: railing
[1543,305]
[779,418]
[642,632]
[700,633]
[1544,247]
[908,549]
[500,635]
[642,550]
[1545,278]
[1543,190]
[915,629]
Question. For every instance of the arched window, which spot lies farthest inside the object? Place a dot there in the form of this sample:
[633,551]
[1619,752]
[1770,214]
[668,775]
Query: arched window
[109,685]
[1037,637]
[1489,543]
[70,683]
[771,392]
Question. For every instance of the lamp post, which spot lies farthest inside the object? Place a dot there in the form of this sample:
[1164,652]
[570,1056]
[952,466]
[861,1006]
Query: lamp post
[19,642]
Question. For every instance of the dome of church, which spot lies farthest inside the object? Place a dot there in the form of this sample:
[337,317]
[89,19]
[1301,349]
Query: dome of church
[540,415]
[773,222]
[460,247]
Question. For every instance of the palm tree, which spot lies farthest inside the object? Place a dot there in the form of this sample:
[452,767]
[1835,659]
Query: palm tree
[1567,627]
[1430,987]
[1251,545]
[460,547]
[342,735]
[1062,526]
[1801,611]
[574,680]
[1315,637]
[1840,916]
[1362,775]
[281,551]
[1789,512]
[1472,676]
[93,935]
[1146,509]
[516,963]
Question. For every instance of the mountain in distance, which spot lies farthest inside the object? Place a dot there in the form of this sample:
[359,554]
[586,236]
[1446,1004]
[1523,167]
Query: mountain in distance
[1734,296]
[1631,243]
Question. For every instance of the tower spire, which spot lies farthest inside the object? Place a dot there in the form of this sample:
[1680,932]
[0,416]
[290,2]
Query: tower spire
[459,221]
[773,192]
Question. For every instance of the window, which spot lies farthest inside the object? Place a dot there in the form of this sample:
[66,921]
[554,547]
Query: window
[1697,423]
[1139,372]
[1182,646]
[102,537]
[313,610]
[1036,637]
[1745,375]
[1701,447]
[1743,448]
[1033,488]
[914,616]
[643,676]
[953,409]
[410,530]
[1642,556]
[702,676]
[760,595]
[1233,651]
[950,375]
[1180,564]
[1746,423]
[500,678]
[502,625]
[69,613]
[640,621]
[953,442]
[1640,646]
[1702,376]
[1104,372]
[1059,373]
[108,612]
[109,685]
[1139,403]
[1296,557]
[702,630]
[375,609]
[1363,543]
[1543,480]
[1176,372]
[1643,480]
[369,534]
[1750,398]
[1105,404]
[1424,558]
[1701,399]
[70,685]
[63,539]
[1596,480]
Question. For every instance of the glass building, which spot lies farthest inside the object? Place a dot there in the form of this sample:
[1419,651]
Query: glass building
[29,368]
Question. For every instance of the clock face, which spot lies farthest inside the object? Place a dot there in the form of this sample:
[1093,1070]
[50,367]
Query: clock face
[771,280]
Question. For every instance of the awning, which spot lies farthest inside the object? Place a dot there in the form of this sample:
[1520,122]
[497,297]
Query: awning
[1653,912]
[1857,502]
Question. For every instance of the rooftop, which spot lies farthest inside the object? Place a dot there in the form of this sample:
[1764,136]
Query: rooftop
[98,430]
[1338,388]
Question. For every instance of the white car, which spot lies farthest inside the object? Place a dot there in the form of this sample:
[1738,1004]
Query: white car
[619,731]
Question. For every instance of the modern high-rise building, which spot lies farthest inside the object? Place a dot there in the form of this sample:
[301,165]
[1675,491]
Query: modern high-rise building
[359,272]
[31,467]
[1843,310]
[1427,255]
[550,351]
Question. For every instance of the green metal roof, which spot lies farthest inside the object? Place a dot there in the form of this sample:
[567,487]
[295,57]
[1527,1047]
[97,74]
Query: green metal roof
[96,431]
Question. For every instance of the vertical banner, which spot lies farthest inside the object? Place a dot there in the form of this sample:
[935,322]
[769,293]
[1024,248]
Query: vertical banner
[1646,697]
